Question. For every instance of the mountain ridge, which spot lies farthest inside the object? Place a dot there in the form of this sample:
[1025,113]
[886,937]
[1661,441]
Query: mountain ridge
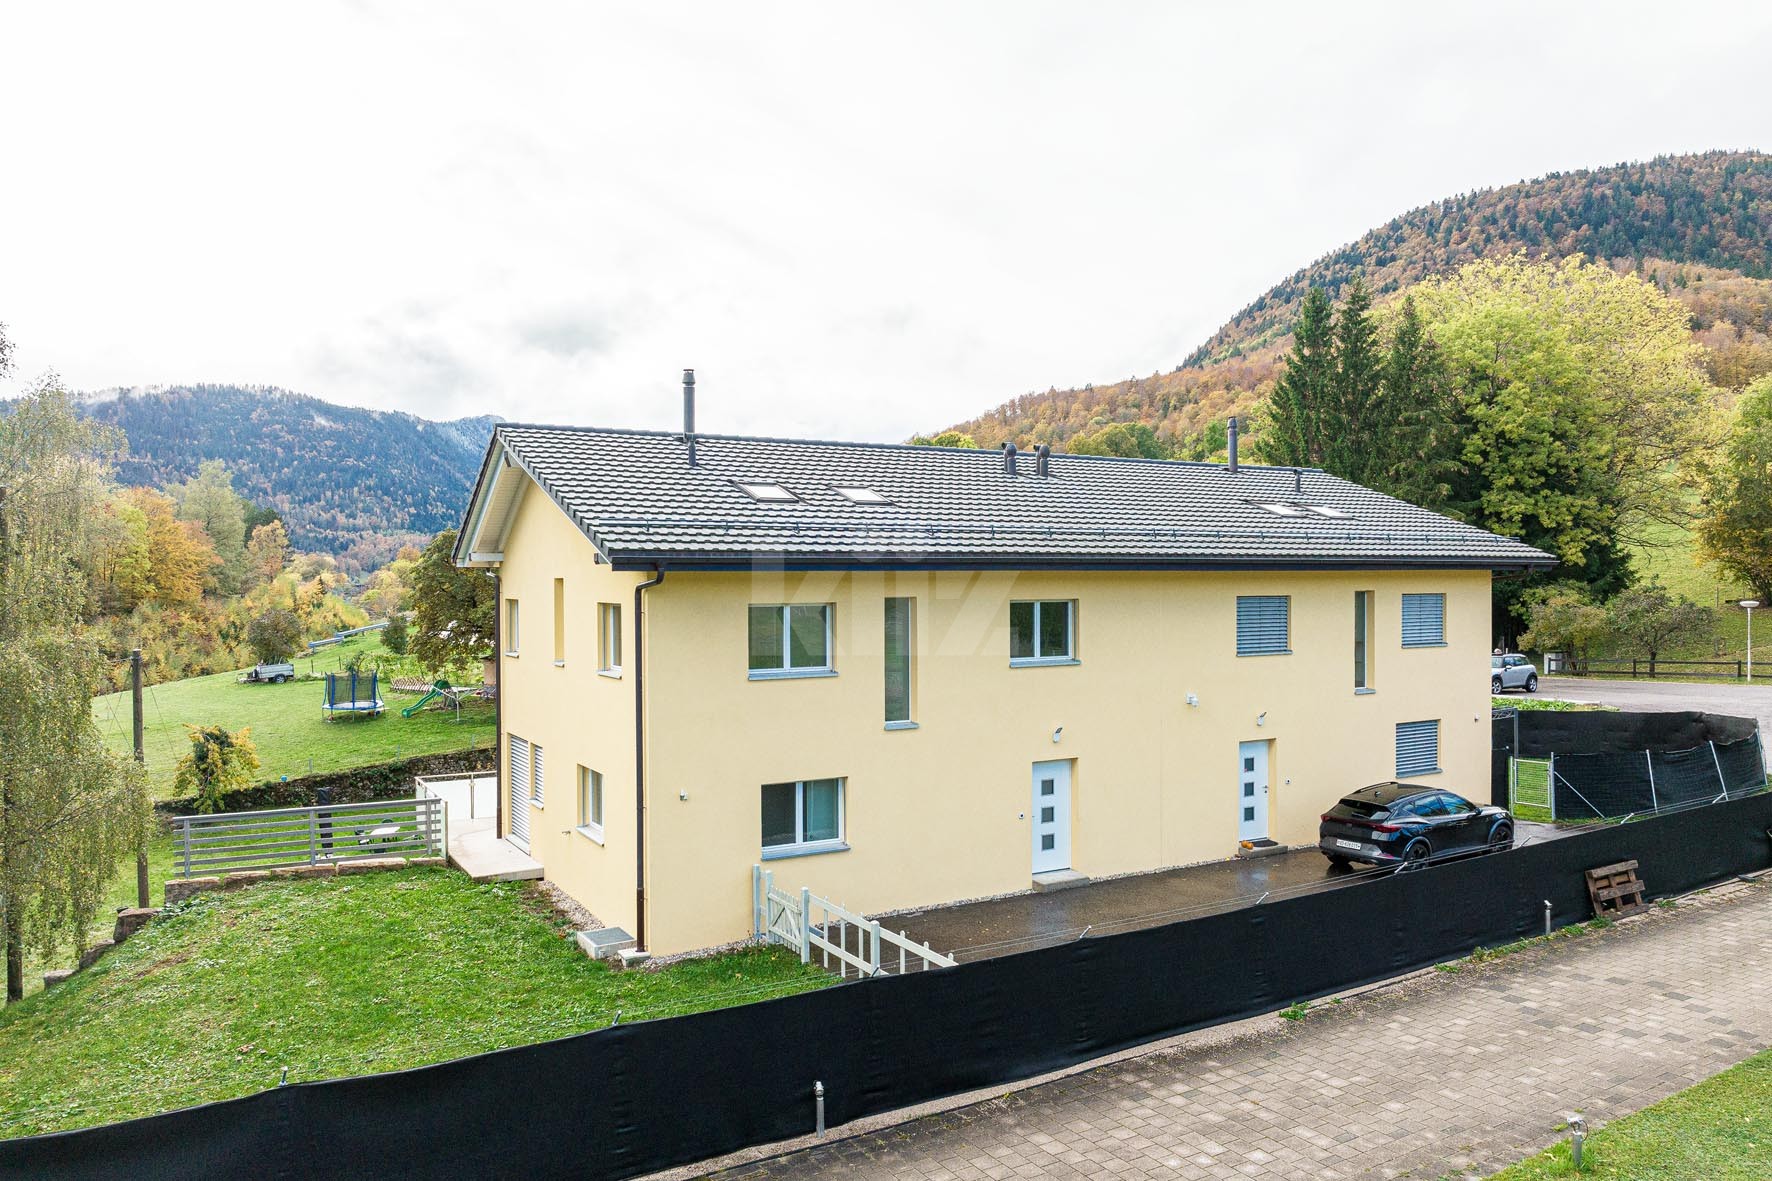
[349,481]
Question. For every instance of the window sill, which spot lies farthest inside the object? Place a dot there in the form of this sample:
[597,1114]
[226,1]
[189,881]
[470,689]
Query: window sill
[790,674]
[901,725]
[1416,774]
[1364,692]
[782,852]
[1281,652]
[613,674]
[1429,644]
[512,655]
[1042,661]
[590,832]
[559,664]
[535,803]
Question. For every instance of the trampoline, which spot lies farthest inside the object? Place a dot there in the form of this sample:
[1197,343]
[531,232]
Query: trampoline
[352,694]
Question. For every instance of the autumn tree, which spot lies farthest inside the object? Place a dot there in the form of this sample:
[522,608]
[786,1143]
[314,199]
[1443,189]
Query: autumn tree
[1563,617]
[180,558]
[1735,530]
[273,635]
[454,610]
[219,761]
[267,549]
[69,809]
[209,500]
[1651,620]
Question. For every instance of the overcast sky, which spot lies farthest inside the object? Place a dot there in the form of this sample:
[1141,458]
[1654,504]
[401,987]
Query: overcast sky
[854,221]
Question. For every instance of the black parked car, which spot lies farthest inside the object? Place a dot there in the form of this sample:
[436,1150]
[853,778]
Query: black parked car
[1405,823]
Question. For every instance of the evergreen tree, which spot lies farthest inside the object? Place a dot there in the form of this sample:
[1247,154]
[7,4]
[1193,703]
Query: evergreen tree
[1417,444]
[1293,435]
[1349,433]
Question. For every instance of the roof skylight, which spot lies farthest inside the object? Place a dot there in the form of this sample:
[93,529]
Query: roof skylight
[763,490]
[1281,509]
[861,495]
[1330,511]
[1290,508]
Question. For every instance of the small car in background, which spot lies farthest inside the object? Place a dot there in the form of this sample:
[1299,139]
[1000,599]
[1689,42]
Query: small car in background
[268,674]
[1512,671]
[1407,823]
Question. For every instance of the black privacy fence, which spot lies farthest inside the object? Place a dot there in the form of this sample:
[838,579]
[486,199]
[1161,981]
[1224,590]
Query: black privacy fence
[633,1099]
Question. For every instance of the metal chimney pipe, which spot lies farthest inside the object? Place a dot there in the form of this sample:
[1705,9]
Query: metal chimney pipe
[1298,480]
[1043,460]
[689,413]
[1233,443]
[1009,458]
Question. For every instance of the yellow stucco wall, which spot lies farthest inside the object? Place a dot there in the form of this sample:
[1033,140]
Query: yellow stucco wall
[940,812]
[575,714]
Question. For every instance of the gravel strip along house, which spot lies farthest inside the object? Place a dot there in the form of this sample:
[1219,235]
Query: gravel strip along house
[900,675]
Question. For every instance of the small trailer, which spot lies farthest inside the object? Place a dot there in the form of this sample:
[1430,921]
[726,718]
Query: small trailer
[268,674]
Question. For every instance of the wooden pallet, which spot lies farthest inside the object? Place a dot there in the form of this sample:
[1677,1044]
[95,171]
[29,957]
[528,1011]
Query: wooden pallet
[1615,890]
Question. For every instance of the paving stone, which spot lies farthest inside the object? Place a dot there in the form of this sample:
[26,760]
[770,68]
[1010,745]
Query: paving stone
[1485,1062]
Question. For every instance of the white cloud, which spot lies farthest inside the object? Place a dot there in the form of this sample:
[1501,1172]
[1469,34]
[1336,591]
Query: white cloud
[854,221]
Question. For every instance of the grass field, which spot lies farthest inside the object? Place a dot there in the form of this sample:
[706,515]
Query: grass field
[1719,1130]
[292,735]
[1673,560]
[353,975]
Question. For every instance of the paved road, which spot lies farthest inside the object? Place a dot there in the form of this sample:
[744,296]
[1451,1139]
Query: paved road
[1445,1072]
[1742,701]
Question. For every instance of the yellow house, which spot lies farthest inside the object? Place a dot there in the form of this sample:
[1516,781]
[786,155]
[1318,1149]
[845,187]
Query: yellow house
[905,675]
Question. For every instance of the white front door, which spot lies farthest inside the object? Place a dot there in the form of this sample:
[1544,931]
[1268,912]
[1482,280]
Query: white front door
[1052,816]
[1251,791]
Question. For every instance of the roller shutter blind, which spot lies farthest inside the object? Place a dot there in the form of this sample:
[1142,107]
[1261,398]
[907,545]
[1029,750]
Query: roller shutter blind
[1418,748]
[1424,621]
[519,768]
[536,773]
[1263,625]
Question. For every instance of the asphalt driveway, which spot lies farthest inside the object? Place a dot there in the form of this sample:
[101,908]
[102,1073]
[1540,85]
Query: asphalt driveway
[1741,701]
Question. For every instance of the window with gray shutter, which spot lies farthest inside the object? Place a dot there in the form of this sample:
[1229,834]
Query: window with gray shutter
[519,769]
[1418,748]
[535,773]
[1263,625]
[1424,621]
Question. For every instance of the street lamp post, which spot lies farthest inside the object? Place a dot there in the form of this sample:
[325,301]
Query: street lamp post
[1748,605]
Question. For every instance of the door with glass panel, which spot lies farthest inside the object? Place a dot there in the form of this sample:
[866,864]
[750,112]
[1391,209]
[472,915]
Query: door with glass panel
[1052,816]
[1252,791]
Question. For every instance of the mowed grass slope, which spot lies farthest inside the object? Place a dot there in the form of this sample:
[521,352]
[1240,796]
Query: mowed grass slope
[1719,1130]
[352,975]
[288,727]
[1674,561]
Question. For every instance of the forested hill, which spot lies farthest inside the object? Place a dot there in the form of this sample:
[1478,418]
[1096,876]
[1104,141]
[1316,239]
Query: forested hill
[1707,215]
[348,481]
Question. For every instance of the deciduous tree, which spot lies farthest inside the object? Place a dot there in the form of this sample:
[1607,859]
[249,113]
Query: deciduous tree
[1650,619]
[218,762]
[1735,530]
[273,635]
[454,610]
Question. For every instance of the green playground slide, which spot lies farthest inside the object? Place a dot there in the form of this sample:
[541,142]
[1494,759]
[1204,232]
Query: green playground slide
[438,688]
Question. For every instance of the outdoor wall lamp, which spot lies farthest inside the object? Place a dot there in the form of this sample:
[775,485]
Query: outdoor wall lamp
[1058,734]
[1193,699]
[1261,719]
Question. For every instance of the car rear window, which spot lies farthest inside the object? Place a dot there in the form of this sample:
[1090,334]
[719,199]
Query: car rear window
[1360,810]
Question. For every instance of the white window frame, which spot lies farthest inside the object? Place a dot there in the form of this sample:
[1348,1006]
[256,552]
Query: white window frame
[787,671]
[590,803]
[908,722]
[856,494]
[609,639]
[802,847]
[513,626]
[1040,661]
[765,491]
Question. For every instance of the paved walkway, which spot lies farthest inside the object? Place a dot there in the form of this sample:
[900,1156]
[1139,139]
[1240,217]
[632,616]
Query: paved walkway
[1441,1073]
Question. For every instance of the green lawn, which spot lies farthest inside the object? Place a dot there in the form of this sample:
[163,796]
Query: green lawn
[292,734]
[352,975]
[1673,560]
[1719,1130]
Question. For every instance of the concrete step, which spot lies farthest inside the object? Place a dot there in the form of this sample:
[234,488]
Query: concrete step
[1261,848]
[1058,879]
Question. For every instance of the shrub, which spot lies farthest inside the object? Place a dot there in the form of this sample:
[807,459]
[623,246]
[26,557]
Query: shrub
[393,636]
[219,762]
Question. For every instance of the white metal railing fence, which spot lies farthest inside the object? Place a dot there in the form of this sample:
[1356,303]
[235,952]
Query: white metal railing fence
[471,796]
[808,923]
[319,835]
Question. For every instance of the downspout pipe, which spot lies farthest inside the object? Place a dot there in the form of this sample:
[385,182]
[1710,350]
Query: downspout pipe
[658,576]
[499,765]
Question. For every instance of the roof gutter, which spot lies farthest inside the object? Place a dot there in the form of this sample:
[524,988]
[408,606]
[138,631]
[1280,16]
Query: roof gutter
[658,576]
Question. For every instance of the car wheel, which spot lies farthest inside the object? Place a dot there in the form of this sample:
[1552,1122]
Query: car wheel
[1415,854]
[1502,838]
[1495,685]
[1532,683]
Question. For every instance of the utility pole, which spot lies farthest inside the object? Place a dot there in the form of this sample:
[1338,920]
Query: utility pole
[141,848]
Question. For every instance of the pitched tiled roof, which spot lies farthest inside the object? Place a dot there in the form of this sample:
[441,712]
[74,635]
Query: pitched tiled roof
[634,494]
